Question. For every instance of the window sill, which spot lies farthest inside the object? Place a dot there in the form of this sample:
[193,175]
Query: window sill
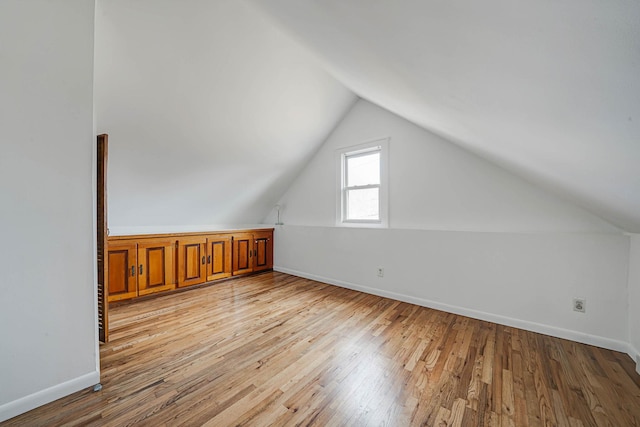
[356,224]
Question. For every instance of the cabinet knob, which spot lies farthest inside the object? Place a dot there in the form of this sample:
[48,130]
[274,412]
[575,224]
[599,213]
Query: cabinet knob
[141,269]
[203,259]
[133,270]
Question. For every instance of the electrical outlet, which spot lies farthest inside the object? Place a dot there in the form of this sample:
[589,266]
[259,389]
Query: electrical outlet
[579,304]
[380,272]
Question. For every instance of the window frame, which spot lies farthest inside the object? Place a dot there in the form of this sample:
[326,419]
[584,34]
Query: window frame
[380,145]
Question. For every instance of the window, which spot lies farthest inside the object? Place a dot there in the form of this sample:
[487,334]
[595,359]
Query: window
[362,199]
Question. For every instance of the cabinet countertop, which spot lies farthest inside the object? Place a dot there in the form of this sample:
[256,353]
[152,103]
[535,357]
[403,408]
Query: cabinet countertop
[149,231]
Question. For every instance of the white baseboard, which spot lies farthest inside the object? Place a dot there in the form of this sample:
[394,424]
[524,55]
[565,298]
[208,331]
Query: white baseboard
[27,403]
[635,355]
[568,334]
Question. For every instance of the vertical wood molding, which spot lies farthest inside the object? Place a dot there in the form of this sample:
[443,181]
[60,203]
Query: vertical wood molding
[102,231]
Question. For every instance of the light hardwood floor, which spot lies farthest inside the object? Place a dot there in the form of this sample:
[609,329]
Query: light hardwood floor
[275,349]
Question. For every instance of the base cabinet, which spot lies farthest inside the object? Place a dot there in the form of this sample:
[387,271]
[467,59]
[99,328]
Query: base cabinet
[137,269]
[142,265]
[155,267]
[242,253]
[192,261]
[263,251]
[122,264]
[218,257]
[252,252]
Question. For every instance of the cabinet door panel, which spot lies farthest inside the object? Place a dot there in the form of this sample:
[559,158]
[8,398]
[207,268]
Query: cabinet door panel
[263,254]
[122,277]
[155,266]
[192,261]
[218,257]
[192,265]
[263,251]
[242,253]
[119,272]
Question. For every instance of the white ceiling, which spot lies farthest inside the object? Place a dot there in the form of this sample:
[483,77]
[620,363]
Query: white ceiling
[211,111]
[547,89]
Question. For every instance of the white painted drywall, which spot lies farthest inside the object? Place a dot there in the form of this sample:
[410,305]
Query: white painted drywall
[464,235]
[634,297]
[48,345]
[434,184]
[547,89]
[210,110]
[525,280]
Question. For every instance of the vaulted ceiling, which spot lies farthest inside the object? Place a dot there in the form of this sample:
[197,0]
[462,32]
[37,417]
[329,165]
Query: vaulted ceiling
[547,89]
[211,111]
[213,107]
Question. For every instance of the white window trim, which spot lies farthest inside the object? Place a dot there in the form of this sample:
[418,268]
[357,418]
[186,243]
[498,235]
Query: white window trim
[383,145]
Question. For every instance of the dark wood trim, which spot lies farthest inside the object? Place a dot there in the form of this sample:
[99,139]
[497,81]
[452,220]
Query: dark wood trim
[102,232]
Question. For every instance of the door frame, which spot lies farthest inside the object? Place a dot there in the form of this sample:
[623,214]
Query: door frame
[102,231]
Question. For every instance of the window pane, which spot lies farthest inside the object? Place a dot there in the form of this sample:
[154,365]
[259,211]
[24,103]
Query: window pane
[363,169]
[363,204]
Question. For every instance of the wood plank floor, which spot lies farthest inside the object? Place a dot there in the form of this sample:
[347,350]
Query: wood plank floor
[275,349]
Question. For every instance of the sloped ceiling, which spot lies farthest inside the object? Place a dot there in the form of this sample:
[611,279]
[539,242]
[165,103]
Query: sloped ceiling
[211,111]
[547,89]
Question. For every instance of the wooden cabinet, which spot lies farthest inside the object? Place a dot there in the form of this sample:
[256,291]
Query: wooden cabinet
[242,253]
[252,252]
[137,269]
[192,260]
[155,266]
[142,265]
[263,250]
[218,257]
[122,266]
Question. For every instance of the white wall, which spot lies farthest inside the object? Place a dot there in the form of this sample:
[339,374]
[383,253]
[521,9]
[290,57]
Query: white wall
[434,184]
[465,235]
[523,280]
[47,292]
[634,298]
[210,111]
[547,89]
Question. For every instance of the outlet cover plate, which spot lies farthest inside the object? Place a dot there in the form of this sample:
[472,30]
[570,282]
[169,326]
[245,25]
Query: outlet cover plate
[580,305]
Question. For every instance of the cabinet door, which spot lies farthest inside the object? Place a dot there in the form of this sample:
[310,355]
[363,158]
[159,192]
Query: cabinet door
[218,257]
[242,253]
[155,266]
[263,250]
[192,260]
[122,276]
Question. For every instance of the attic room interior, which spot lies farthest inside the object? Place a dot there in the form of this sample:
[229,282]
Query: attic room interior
[484,269]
